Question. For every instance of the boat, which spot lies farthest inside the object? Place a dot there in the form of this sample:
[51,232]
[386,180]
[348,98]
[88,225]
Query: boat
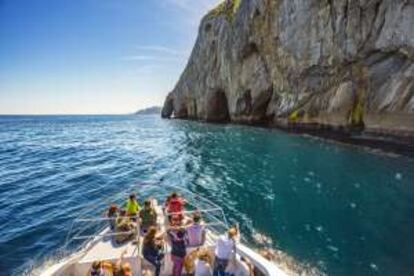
[90,238]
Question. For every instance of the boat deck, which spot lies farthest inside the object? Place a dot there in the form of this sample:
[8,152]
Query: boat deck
[103,248]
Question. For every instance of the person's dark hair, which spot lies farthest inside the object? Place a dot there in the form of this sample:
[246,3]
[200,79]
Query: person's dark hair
[174,195]
[122,212]
[196,217]
[132,196]
[112,210]
[147,203]
[96,265]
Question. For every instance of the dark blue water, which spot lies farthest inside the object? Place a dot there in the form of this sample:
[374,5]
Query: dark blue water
[338,208]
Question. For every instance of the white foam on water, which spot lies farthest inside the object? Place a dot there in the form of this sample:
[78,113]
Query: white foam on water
[292,266]
[373,266]
[333,248]
[262,239]
[353,205]
[398,176]
[357,185]
[307,179]
[319,228]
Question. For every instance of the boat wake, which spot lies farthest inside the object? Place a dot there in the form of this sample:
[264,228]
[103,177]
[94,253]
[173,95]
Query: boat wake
[286,262]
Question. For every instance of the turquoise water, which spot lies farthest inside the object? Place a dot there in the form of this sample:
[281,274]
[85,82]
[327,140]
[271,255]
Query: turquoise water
[338,208]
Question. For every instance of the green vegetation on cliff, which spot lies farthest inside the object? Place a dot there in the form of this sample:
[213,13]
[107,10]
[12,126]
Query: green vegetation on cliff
[228,8]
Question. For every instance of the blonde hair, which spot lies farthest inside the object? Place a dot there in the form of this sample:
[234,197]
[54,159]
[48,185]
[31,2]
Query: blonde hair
[205,256]
[146,272]
[126,268]
[232,232]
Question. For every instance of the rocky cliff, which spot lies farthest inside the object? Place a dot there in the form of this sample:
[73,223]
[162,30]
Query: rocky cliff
[345,64]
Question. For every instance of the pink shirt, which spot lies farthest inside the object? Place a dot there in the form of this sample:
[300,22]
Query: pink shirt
[195,234]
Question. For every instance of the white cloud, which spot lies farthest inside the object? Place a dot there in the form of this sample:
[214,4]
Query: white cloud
[161,49]
[151,58]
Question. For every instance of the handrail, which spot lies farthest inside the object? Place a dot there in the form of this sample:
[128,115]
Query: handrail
[193,211]
[258,261]
[200,203]
[205,225]
[103,235]
[102,219]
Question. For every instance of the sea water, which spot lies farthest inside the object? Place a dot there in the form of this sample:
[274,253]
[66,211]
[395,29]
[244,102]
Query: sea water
[337,208]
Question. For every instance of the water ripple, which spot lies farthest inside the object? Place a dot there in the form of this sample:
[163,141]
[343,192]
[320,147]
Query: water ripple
[311,199]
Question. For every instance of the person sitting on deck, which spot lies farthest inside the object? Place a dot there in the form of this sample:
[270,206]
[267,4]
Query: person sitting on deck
[124,224]
[132,206]
[178,248]
[203,263]
[153,249]
[121,268]
[100,269]
[111,214]
[224,248]
[148,216]
[196,232]
[175,205]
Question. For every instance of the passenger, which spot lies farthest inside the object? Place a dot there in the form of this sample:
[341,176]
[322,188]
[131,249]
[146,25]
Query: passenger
[146,272]
[175,205]
[176,220]
[112,213]
[203,264]
[189,262]
[124,224]
[100,269]
[126,269]
[224,248]
[121,268]
[148,216]
[178,249]
[239,267]
[132,206]
[153,249]
[196,233]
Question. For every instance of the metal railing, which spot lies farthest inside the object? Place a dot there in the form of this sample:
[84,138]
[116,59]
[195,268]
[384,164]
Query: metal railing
[88,227]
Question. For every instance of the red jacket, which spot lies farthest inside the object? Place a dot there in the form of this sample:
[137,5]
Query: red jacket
[175,205]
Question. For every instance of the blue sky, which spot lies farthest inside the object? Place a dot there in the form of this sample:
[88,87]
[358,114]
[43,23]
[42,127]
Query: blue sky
[93,56]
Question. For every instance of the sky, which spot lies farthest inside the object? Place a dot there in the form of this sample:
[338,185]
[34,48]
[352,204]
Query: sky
[93,56]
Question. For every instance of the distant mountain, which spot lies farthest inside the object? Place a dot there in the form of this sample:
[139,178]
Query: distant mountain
[149,110]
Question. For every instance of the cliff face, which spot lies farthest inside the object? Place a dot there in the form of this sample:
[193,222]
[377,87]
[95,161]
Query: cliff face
[339,63]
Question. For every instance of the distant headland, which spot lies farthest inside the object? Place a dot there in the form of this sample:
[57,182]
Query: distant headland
[149,110]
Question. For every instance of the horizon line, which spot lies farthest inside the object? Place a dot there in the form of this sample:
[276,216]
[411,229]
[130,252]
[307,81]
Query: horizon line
[68,114]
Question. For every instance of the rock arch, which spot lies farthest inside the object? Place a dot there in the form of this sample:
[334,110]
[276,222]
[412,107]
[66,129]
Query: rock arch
[168,108]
